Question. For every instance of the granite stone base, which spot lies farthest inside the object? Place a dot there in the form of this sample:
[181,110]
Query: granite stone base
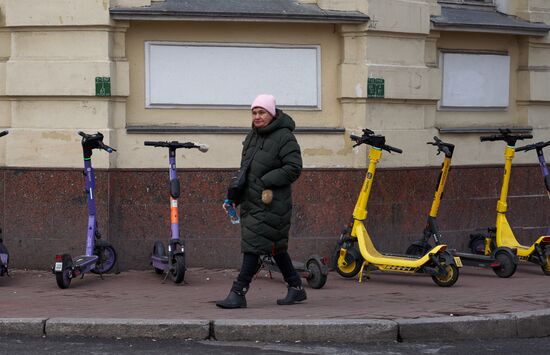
[43,211]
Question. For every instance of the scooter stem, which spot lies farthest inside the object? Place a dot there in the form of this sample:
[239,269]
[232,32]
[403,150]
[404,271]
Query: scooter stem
[174,218]
[360,211]
[440,187]
[90,186]
[509,153]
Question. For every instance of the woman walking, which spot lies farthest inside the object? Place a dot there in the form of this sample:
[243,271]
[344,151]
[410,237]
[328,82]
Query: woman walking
[271,162]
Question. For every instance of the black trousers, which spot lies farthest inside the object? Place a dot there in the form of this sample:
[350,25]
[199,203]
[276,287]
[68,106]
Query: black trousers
[250,267]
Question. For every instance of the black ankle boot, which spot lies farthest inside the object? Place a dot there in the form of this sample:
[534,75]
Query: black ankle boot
[236,298]
[233,300]
[294,295]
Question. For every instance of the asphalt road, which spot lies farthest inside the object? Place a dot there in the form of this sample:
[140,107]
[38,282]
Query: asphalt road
[16,345]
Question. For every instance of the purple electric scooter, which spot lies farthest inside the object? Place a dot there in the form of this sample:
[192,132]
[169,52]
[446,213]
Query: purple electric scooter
[100,256]
[4,254]
[542,163]
[173,262]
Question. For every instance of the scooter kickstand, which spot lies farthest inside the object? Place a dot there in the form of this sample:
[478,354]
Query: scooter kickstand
[166,276]
[361,272]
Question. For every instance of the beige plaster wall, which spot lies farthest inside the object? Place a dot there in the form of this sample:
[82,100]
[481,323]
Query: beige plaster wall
[49,58]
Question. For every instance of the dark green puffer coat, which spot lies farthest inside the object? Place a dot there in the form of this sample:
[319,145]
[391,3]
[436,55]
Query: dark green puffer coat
[277,163]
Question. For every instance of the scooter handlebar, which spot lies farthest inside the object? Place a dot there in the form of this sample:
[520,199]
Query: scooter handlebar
[528,147]
[175,145]
[504,137]
[446,148]
[95,141]
[375,141]
[3,133]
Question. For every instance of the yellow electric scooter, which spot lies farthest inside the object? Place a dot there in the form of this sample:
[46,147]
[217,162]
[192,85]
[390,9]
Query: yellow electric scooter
[437,262]
[502,235]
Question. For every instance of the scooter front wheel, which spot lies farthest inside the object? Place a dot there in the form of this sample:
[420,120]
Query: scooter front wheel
[349,264]
[178,273]
[449,278]
[106,258]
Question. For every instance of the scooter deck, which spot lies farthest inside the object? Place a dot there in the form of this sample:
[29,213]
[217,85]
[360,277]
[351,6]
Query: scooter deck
[159,262]
[84,260]
[475,260]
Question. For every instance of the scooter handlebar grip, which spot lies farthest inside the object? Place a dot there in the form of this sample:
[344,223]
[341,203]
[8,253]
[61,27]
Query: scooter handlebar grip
[488,138]
[202,147]
[106,148]
[3,133]
[393,149]
[149,143]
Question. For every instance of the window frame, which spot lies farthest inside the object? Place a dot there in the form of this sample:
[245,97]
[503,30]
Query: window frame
[440,105]
[317,84]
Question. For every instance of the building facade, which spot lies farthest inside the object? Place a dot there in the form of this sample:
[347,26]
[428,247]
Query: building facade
[141,70]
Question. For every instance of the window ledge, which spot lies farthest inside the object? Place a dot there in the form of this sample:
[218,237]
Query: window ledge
[221,130]
[483,130]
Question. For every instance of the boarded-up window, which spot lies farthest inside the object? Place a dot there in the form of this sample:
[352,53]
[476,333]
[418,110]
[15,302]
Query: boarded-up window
[231,74]
[475,80]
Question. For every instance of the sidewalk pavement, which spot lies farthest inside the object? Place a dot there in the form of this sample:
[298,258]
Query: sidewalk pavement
[388,307]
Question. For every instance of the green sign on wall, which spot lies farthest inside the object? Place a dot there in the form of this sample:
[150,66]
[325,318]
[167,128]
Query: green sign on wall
[102,86]
[375,88]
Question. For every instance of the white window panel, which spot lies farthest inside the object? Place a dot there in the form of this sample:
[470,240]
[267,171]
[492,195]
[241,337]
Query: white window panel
[211,74]
[475,80]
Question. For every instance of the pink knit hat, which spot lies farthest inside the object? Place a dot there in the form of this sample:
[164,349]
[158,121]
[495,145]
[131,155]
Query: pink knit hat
[267,102]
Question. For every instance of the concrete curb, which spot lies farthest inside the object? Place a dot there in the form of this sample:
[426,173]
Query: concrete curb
[533,323]
[455,328]
[510,325]
[129,328]
[345,330]
[23,326]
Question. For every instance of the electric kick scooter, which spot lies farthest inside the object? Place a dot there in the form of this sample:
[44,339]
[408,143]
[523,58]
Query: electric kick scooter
[502,235]
[542,163]
[173,262]
[437,262]
[502,260]
[100,256]
[4,254]
[546,175]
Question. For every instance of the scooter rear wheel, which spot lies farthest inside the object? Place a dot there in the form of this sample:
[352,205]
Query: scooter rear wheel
[507,265]
[178,273]
[106,258]
[63,277]
[315,279]
[450,277]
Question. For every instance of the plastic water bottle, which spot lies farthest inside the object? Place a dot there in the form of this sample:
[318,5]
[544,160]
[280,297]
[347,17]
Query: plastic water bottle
[233,216]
